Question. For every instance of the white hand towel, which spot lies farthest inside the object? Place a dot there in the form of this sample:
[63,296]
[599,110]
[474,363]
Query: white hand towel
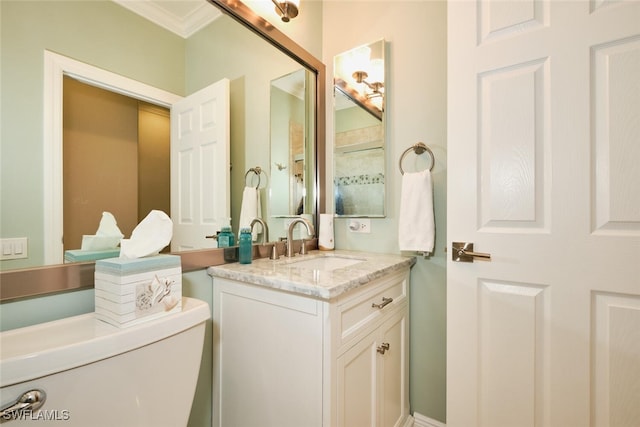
[250,209]
[417,225]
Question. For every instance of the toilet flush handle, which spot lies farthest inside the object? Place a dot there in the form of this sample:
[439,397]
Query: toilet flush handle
[31,400]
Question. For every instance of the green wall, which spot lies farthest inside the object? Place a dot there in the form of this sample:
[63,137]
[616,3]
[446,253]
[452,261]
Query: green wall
[96,32]
[416,81]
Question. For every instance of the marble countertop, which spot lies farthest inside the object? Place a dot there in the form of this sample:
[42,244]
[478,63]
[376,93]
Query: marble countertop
[284,274]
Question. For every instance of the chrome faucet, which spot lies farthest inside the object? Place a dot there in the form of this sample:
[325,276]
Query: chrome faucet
[265,229]
[310,231]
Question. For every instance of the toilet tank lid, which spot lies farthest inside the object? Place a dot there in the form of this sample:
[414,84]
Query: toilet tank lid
[47,348]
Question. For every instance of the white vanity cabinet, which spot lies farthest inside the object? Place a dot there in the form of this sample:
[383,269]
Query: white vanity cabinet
[285,358]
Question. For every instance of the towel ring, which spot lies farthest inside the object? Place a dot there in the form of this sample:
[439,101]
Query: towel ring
[257,170]
[418,148]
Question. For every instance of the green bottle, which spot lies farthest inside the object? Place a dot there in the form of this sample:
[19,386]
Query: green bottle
[246,249]
[226,238]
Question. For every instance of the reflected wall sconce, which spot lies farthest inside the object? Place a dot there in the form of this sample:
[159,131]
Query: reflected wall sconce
[376,85]
[369,74]
[359,75]
[287,9]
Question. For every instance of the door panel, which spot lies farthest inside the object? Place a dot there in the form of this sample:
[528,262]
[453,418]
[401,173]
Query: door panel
[543,132]
[200,183]
[616,202]
[616,353]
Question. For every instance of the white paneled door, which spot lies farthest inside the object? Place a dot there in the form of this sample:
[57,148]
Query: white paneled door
[200,167]
[544,174]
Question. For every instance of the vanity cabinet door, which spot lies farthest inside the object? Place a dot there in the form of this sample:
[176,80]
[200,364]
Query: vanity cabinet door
[393,380]
[357,373]
[372,386]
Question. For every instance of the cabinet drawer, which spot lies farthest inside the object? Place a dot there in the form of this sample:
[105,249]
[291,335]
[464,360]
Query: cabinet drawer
[363,309]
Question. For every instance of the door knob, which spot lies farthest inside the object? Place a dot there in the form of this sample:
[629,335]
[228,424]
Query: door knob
[383,348]
[463,252]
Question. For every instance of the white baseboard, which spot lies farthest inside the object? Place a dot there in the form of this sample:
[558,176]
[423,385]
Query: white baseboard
[422,421]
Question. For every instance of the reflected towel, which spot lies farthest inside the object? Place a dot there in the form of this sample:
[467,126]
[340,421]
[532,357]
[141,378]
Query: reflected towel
[416,223]
[250,210]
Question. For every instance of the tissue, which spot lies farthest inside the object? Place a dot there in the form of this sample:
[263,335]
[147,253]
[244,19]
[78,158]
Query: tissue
[107,236]
[149,237]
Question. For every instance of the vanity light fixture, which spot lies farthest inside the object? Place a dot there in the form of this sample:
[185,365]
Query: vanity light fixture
[376,86]
[287,9]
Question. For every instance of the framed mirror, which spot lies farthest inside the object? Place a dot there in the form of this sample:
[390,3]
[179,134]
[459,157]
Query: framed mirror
[23,127]
[359,122]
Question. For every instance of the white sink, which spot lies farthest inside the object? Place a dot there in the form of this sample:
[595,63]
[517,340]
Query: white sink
[326,263]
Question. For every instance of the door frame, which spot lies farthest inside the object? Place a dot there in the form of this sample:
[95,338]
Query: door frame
[56,66]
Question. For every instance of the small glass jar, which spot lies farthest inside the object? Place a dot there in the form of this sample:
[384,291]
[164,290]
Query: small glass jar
[245,241]
[226,238]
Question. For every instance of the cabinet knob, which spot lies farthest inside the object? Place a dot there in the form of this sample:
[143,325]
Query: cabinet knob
[383,347]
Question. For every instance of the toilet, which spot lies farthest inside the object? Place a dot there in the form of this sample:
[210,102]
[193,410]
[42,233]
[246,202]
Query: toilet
[80,371]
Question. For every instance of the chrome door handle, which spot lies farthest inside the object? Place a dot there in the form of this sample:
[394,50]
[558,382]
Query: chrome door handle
[31,400]
[463,252]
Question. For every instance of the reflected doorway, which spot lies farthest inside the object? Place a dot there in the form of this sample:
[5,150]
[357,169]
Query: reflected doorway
[116,158]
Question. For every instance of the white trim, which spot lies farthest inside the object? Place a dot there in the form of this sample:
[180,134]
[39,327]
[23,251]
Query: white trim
[422,421]
[183,24]
[55,68]
[408,422]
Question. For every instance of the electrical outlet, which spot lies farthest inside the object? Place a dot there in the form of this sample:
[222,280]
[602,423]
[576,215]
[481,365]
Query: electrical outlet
[14,248]
[362,225]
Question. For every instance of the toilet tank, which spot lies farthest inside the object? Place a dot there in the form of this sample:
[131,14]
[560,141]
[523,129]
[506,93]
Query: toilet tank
[96,374]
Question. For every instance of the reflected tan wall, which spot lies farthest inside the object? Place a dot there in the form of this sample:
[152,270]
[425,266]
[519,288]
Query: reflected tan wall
[115,159]
[154,173]
[100,160]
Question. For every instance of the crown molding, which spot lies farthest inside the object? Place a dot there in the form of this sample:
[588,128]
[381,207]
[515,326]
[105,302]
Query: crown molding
[183,25]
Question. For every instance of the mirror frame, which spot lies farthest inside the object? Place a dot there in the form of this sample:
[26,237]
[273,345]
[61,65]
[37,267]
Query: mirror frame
[38,281]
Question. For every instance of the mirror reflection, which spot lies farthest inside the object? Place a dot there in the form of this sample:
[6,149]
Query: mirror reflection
[359,121]
[174,64]
[116,167]
[290,154]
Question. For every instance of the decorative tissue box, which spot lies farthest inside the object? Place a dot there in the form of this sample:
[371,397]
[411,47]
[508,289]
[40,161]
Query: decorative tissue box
[130,291]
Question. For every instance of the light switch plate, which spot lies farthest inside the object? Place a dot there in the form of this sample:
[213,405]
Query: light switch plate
[14,248]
